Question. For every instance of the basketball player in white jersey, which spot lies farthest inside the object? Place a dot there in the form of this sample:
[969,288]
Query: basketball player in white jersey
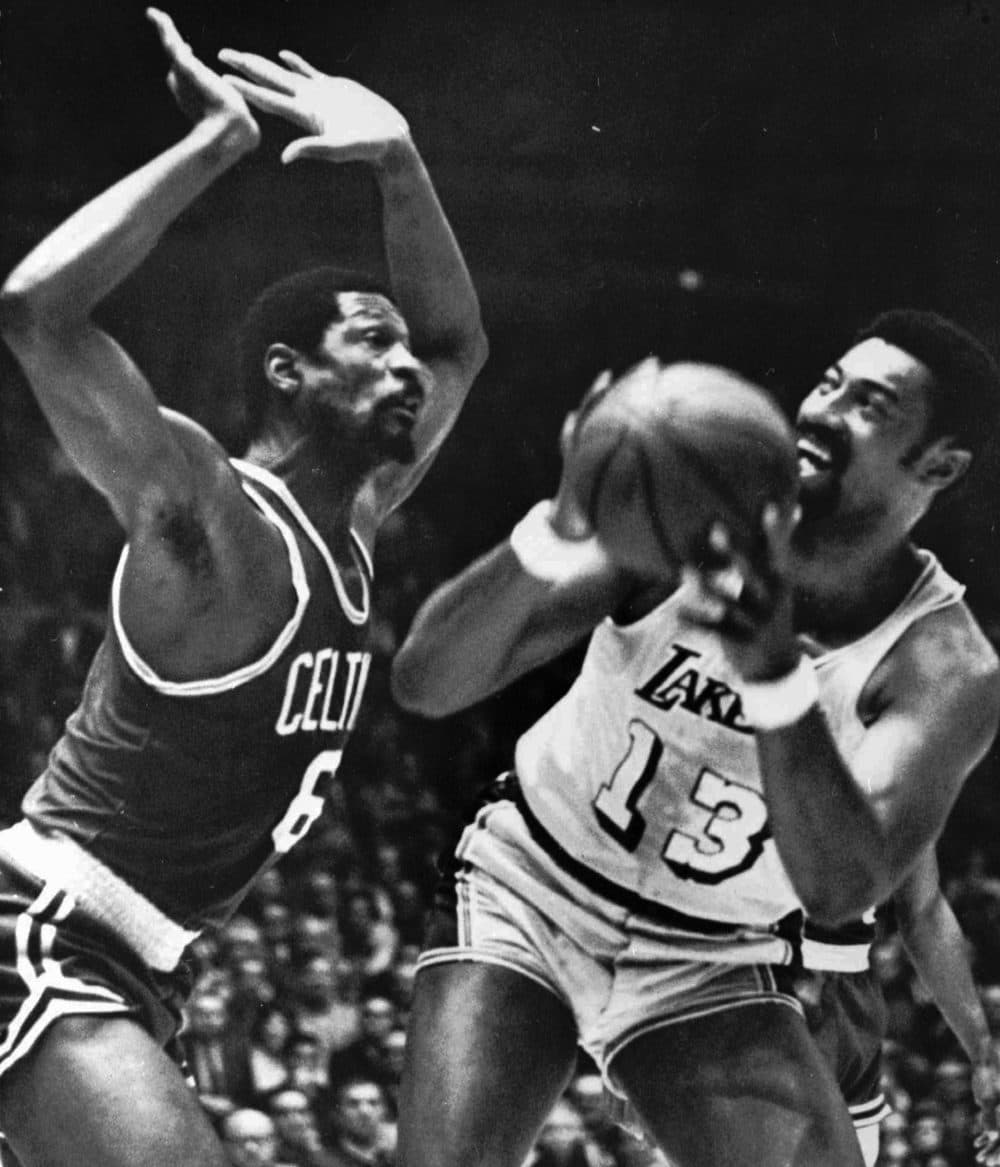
[778,736]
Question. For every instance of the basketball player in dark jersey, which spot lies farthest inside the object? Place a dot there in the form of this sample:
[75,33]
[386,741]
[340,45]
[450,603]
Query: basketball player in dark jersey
[740,743]
[236,654]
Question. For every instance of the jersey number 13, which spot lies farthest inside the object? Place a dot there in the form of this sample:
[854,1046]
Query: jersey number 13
[731,839]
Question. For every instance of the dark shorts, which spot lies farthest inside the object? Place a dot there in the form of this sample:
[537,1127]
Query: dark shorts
[57,962]
[846,1015]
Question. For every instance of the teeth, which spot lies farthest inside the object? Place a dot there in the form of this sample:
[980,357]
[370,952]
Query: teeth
[816,455]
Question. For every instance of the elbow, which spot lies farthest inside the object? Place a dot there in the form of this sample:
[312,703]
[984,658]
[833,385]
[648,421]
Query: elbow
[18,318]
[26,313]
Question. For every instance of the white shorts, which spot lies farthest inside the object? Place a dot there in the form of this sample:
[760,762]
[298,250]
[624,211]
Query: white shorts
[620,974]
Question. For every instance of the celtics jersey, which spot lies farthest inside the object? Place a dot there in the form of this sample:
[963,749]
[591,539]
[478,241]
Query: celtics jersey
[646,772]
[185,789]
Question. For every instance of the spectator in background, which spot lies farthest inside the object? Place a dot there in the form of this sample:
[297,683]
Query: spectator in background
[366,1057]
[926,1132]
[315,1004]
[276,927]
[357,1126]
[299,1144]
[266,1055]
[306,1065]
[393,1054]
[249,1139]
[366,938]
[218,1063]
[563,1141]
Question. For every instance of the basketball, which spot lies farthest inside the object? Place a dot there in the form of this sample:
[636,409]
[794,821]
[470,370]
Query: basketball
[670,449]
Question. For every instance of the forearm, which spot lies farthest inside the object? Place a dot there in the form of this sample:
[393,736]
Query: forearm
[431,283]
[457,649]
[826,832]
[77,265]
[936,947]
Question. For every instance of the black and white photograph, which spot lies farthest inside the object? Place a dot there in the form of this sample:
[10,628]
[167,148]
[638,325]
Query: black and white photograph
[500,583]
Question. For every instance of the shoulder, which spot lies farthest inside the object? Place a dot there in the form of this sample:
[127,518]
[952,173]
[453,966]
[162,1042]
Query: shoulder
[945,661]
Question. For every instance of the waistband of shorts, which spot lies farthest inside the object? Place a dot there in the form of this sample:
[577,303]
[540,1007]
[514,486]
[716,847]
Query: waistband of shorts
[98,892]
[823,957]
[788,928]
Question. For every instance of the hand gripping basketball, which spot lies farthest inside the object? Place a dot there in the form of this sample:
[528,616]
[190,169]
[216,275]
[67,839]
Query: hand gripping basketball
[668,453]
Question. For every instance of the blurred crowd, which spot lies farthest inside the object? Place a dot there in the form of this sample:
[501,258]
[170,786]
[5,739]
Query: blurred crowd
[296,1027]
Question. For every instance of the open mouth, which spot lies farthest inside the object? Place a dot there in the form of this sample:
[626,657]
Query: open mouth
[813,458]
[820,453]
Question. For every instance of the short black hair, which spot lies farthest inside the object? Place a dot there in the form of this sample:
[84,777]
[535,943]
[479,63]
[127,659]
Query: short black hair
[296,310]
[965,399]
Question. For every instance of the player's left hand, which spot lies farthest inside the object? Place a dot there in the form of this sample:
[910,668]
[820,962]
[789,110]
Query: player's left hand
[345,121]
[747,596]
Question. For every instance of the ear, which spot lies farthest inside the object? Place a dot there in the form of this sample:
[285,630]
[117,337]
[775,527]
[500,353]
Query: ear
[942,464]
[281,367]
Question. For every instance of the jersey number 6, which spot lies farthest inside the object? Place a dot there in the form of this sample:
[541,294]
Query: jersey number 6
[306,807]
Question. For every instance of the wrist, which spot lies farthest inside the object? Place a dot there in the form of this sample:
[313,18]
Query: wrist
[223,139]
[781,701]
[545,553]
[399,156]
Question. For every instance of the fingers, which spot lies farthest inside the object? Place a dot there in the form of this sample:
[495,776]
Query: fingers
[260,70]
[173,43]
[299,64]
[262,98]
[309,148]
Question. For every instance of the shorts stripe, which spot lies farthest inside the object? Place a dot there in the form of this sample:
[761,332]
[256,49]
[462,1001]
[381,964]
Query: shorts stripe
[51,994]
[870,1113]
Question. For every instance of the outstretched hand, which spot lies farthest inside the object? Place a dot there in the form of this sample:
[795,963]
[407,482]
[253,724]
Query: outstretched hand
[201,93]
[345,121]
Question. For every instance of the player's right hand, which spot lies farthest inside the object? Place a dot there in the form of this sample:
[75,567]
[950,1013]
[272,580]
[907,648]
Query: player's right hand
[345,121]
[568,519]
[200,93]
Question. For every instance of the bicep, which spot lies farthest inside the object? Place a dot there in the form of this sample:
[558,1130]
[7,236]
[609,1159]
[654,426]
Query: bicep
[915,758]
[103,413]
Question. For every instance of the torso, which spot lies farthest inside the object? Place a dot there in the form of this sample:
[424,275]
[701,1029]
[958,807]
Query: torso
[186,788]
[647,772]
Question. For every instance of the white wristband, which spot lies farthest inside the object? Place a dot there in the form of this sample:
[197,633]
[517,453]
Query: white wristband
[777,704]
[544,554]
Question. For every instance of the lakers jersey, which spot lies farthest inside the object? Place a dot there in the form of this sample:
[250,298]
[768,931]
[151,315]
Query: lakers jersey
[646,772]
[186,789]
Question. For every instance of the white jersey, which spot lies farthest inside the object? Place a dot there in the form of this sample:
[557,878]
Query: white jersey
[644,778]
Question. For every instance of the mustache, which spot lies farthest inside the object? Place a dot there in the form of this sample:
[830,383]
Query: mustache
[836,441]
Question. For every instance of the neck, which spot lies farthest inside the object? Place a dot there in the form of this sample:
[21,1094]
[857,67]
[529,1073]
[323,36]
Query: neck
[324,481]
[844,591]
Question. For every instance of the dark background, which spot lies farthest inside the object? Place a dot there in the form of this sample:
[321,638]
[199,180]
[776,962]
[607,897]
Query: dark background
[740,182]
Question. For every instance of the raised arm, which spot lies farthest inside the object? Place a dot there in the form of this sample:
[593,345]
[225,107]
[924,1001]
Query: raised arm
[348,123]
[99,404]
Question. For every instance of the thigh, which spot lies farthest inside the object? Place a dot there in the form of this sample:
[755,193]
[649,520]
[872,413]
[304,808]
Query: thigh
[488,1052]
[741,1086]
[99,1092]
